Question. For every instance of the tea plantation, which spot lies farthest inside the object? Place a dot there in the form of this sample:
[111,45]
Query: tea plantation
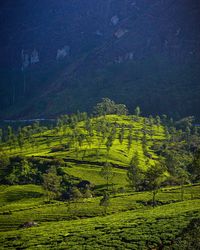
[129,223]
[70,185]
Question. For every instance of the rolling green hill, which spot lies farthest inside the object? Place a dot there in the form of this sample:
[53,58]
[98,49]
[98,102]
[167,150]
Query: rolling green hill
[84,149]
[74,151]
[60,57]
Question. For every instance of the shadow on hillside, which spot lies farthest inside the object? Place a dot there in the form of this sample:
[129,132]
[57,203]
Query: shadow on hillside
[19,195]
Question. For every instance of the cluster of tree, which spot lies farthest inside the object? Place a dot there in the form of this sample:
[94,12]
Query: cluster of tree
[108,132]
[150,179]
[178,164]
[20,137]
[70,120]
[107,107]
[46,172]
[62,186]
[24,170]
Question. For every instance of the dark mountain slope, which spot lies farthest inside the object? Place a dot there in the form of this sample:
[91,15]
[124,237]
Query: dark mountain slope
[75,52]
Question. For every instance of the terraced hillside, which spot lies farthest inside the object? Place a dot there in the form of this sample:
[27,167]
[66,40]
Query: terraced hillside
[86,145]
[65,186]
[60,57]
[129,223]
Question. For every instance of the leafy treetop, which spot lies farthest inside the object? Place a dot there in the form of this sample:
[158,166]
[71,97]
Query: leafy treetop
[108,106]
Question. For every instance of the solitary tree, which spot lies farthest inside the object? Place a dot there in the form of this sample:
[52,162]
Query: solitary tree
[121,135]
[105,202]
[130,141]
[87,193]
[20,139]
[109,143]
[195,166]
[75,193]
[137,111]
[51,183]
[10,133]
[154,178]
[135,174]
[158,121]
[107,173]
[183,178]
[4,162]
[176,166]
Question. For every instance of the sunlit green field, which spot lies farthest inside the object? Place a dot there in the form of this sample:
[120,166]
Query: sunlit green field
[129,222]
[95,150]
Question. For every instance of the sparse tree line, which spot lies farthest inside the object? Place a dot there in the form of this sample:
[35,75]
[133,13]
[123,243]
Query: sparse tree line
[67,127]
[178,162]
[21,137]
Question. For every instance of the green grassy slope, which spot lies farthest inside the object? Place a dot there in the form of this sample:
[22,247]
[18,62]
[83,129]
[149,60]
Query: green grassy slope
[85,160]
[129,224]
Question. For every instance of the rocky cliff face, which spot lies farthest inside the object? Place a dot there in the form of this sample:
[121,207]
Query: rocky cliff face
[59,56]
